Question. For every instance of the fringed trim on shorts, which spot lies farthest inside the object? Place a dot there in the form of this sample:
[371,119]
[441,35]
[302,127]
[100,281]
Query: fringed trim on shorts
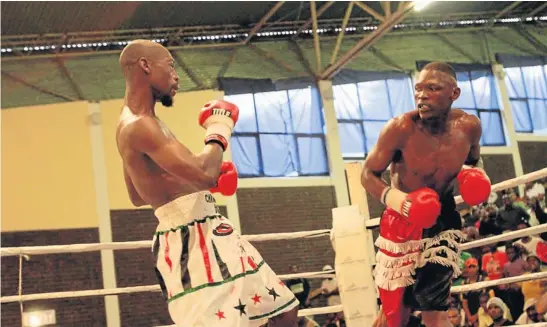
[393,247]
[394,273]
[394,262]
[393,284]
[432,255]
[452,237]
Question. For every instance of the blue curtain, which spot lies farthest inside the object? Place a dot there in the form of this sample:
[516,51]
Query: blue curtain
[279,133]
[363,108]
[527,89]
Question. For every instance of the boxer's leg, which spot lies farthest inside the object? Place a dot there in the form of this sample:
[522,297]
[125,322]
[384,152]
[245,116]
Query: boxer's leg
[286,319]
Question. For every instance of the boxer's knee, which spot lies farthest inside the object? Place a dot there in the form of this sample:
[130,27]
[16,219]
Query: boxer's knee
[435,319]
[286,319]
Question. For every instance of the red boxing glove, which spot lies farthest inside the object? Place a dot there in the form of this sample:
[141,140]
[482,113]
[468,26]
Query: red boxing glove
[219,118]
[475,186]
[227,180]
[422,207]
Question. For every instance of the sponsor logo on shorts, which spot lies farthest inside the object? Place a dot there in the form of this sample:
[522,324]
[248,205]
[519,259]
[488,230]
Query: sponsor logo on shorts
[223,230]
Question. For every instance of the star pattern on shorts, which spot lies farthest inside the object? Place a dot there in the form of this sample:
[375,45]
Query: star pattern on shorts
[241,308]
[256,299]
[220,314]
[272,293]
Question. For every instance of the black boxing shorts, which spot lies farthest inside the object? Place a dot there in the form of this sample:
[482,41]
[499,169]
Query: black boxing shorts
[439,261]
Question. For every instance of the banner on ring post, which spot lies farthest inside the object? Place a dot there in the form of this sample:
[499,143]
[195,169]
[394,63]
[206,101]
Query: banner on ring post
[353,267]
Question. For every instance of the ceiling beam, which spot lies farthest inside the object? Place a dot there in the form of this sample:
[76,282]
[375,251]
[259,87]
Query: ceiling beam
[188,71]
[386,6]
[535,11]
[367,41]
[320,12]
[227,63]
[340,37]
[385,59]
[457,48]
[276,60]
[68,75]
[504,12]
[537,44]
[263,21]
[370,11]
[37,88]
[294,47]
[512,44]
[316,45]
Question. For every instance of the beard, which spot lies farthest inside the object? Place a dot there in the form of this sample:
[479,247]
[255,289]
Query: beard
[167,100]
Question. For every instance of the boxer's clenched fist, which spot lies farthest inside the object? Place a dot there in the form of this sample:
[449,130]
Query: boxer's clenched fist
[218,117]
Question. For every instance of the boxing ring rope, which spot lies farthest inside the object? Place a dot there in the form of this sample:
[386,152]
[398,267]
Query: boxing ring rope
[90,247]
[23,252]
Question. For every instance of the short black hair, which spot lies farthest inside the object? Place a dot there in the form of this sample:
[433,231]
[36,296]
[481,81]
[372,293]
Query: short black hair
[441,67]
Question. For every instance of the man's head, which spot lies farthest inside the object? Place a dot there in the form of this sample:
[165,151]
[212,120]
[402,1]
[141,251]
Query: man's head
[454,316]
[496,308]
[435,90]
[471,267]
[146,63]
[512,252]
[532,262]
[530,309]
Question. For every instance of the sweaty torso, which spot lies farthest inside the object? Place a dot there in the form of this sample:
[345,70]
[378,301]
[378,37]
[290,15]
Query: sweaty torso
[431,160]
[153,184]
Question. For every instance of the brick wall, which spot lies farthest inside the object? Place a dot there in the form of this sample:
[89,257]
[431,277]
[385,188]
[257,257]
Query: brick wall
[533,155]
[136,268]
[54,273]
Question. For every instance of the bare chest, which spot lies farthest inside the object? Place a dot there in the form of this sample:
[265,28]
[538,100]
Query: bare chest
[434,159]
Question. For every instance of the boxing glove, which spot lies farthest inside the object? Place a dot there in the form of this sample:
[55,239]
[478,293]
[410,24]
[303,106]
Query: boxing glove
[475,186]
[420,207]
[227,180]
[218,117]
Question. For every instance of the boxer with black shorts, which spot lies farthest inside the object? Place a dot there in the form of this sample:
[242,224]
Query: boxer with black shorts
[428,149]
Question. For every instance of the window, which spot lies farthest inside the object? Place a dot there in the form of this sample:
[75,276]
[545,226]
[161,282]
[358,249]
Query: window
[479,97]
[527,90]
[279,134]
[362,110]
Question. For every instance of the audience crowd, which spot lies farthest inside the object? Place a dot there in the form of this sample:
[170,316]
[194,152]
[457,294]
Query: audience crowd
[503,305]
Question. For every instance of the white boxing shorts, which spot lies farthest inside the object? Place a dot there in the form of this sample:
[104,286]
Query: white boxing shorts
[208,274]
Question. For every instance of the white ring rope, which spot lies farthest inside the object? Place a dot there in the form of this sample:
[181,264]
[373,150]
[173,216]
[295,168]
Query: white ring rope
[496,282]
[156,288]
[375,222]
[505,237]
[134,289]
[89,247]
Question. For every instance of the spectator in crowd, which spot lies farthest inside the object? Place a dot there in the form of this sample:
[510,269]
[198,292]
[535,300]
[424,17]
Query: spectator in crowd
[496,309]
[493,261]
[533,289]
[454,302]
[464,256]
[511,215]
[530,314]
[529,244]
[455,318]
[470,300]
[484,318]
[301,289]
[329,289]
[512,294]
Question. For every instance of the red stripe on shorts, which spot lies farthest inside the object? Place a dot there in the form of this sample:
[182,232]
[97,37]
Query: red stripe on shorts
[242,264]
[251,263]
[205,254]
[166,253]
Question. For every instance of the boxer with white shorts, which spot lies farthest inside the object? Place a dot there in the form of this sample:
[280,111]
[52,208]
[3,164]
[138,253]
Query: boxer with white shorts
[208,274]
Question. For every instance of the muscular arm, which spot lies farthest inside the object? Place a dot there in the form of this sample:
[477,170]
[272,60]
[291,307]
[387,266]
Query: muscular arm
[381,156]
[475,131]
[202,170]
[133,194]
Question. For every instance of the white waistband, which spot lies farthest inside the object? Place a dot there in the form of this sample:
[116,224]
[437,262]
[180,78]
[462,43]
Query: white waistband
[187,208]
